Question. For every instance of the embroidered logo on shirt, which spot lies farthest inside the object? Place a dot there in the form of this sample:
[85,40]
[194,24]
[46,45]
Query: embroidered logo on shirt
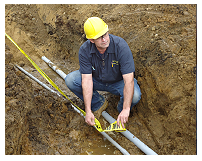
[114,62]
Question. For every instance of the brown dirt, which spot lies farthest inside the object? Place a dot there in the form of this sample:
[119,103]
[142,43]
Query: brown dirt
[162,39]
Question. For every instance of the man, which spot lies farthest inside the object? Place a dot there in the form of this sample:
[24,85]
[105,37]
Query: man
[106,64]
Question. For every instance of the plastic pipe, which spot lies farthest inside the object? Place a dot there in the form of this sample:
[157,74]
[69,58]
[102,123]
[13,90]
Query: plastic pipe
[131,137]
[54,67]
[38,81]
[110,119]
[115,143]
[103,133]
[63,75]
[123,151]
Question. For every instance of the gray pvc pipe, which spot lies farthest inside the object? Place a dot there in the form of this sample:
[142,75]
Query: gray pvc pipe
[123,151]
[38,81]
[63,75]
[54,67]
[110,119]
[131,137]
[103,133]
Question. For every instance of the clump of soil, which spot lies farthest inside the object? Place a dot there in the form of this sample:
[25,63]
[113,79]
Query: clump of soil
[162,39]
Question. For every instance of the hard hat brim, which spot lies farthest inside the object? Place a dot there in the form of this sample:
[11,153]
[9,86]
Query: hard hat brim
[99,34]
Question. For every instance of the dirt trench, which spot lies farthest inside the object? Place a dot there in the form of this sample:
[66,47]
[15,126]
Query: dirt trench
[162,39]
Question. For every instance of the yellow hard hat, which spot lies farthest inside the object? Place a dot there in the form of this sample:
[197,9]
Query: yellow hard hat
[95,27]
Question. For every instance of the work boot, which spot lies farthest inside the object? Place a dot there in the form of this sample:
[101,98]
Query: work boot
[99,111]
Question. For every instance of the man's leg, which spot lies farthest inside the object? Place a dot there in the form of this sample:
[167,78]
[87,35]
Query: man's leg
[117,89]
[73,82]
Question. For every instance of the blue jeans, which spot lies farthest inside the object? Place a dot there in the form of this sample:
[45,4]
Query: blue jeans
[73,82]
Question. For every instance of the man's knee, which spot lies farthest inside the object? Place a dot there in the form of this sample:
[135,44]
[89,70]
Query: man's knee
[136,97]
[137,93]
[70,79]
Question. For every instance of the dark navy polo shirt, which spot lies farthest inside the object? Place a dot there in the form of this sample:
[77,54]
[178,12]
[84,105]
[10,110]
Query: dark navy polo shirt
[118,60]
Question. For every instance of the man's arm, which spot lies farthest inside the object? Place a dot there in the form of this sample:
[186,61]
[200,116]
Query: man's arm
[87,87]
[128,92]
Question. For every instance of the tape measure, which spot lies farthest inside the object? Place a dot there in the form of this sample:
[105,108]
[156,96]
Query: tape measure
[112,127]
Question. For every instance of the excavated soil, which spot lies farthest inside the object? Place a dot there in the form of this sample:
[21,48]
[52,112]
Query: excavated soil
[162,39]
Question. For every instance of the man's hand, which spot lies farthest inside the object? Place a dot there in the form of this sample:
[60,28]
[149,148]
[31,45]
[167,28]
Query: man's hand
[87,86]
[128,92]
[123,117]
[90,119]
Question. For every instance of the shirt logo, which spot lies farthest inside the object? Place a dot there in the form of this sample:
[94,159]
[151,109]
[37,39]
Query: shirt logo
[114,62]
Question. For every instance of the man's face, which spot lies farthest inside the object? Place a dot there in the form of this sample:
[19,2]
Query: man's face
[102,42]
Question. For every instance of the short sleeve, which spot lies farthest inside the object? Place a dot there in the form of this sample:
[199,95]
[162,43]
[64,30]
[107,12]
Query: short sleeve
[126,59]
[84,62]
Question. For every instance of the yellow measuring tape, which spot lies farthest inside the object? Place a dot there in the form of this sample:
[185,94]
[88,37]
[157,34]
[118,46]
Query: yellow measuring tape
[112,127]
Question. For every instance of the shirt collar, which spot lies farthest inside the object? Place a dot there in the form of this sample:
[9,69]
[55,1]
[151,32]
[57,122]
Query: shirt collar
[110,48]
[93,48]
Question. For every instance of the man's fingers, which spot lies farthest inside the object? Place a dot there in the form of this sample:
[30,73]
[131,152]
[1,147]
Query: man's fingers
[125,120]
[123,117]
[90,119]
[118,121]
[122,122]
[93,121]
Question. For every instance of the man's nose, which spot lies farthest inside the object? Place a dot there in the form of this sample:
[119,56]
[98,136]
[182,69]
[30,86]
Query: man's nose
[103,38]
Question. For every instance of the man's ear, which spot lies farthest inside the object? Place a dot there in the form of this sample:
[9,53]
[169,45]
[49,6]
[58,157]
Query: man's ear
[92,41]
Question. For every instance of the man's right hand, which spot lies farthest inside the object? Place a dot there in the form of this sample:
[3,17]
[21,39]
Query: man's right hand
[90,118]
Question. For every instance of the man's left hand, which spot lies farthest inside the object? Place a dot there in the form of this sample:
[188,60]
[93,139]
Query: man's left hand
[123,117]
